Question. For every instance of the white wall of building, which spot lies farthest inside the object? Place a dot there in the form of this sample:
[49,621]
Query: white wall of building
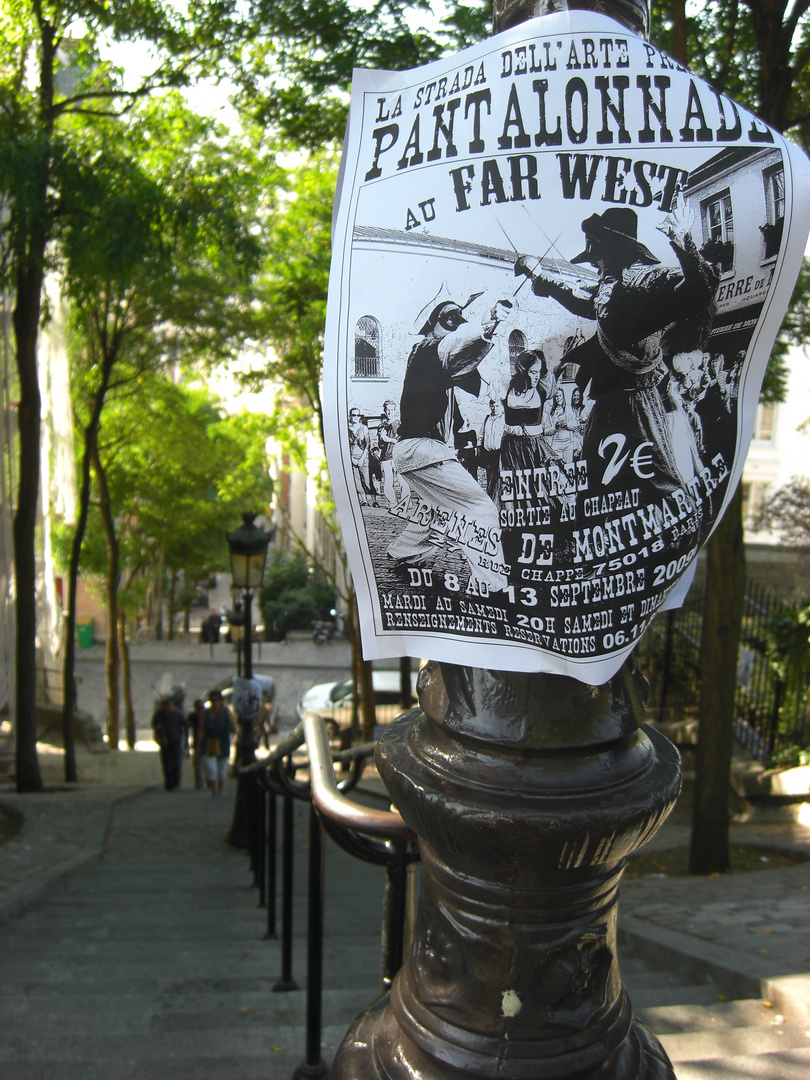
[780,449]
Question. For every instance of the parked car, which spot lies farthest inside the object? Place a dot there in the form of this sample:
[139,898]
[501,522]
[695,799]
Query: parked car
[333,701]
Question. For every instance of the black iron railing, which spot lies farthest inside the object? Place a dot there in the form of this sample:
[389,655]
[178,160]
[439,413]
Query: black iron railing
[375,836]
[772,703]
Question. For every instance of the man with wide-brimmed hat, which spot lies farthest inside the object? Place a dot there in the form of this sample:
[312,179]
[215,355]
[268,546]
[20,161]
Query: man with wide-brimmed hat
[450,349]
[645,313]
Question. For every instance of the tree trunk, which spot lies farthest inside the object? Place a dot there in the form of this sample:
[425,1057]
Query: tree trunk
[26,316]
[29,260]
[364,685]
[126,678]
[368,701]
[159,598]
[172,602]
[111,665]
[405,693]
[27,764]
[680,51]
[90,450]
[725,591]
[353,631]
[69,666]
[722,621]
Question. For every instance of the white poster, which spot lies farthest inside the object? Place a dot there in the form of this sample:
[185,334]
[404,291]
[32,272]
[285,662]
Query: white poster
[560,262]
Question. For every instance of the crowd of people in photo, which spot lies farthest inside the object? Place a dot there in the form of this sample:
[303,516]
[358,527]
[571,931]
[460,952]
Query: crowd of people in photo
[205,735]
[542,418]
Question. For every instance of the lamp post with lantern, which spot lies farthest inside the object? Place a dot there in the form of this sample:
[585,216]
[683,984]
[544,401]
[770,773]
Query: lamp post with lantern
[248,551]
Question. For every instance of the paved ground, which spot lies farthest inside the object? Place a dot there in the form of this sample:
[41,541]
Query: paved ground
[152,961]
[751,931]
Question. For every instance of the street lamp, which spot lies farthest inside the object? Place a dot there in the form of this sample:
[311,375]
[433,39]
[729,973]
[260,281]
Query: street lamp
[248,550]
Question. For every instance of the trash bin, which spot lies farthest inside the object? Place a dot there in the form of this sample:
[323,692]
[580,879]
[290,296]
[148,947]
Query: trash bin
[84,633]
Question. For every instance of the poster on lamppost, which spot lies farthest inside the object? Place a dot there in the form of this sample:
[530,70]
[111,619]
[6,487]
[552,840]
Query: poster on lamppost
[559,265]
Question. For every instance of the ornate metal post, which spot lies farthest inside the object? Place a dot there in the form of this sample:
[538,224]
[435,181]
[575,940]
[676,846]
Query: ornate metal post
[248,551]
[527,793]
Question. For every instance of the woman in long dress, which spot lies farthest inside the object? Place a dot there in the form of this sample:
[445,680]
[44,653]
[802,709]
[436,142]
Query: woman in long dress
[524,444]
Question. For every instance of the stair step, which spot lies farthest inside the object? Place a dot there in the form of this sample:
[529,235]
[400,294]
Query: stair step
[785,1065]
[735,1042]
[657,997]
[249,1038]
[671,1019]
[178,1010]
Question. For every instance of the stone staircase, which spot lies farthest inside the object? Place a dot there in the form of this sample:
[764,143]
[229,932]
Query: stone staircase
[708,1037]
[152,963]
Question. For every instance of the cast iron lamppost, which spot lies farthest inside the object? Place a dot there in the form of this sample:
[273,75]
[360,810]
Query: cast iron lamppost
[527,793]
[248,550]
[236,621]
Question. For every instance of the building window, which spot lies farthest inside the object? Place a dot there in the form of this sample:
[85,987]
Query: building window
[753,497]
[764,422]
[517,345]
[366,348]
[774,180]
[718,230]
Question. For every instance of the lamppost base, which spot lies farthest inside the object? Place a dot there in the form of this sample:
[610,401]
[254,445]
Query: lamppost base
[527,796]
[376,1048]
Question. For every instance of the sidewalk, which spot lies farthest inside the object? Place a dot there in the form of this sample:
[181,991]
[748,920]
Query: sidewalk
[751,932]
[753,926]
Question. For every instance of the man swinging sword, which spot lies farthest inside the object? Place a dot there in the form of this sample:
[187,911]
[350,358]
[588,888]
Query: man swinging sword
[447,355]
[644,314]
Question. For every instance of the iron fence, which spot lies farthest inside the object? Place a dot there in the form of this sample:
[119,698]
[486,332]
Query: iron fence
[772,702]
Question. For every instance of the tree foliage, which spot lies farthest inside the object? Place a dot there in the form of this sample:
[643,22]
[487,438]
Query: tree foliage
[295,71]
[293,595]
[755,51]
[51,72]
[180,470]
[787,512]
[291,293]
[156,256]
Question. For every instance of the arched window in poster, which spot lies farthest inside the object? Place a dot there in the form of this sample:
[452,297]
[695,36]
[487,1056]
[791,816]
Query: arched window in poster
[367,348]
[517,345]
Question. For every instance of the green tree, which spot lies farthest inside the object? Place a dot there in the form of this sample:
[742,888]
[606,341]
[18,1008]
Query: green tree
[156,257]
[180,471]
[293,74]
[293,594]
[50,72]
[177,472]
[292,288]
[290,318]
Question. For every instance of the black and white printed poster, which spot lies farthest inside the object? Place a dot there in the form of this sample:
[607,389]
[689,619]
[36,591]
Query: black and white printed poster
[560,262]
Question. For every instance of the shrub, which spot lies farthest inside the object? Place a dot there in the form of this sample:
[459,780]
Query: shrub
[293,596]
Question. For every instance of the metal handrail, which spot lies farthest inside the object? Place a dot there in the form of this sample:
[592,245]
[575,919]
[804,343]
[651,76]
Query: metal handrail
[328,798]
[326,793]
[376,836]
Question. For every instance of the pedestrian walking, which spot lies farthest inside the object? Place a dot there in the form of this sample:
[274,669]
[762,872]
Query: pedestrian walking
[217,726]
[170,727]
[195,724]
